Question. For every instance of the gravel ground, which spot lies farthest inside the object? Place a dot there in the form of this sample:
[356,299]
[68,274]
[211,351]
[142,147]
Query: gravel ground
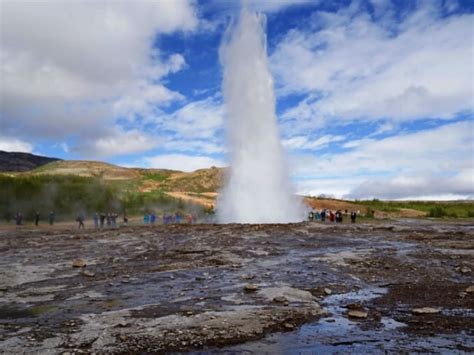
[392,285]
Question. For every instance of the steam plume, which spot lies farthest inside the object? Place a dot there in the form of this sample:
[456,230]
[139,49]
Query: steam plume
[258,189]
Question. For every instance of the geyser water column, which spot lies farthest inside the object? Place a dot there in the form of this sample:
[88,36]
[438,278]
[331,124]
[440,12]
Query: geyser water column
[258,188]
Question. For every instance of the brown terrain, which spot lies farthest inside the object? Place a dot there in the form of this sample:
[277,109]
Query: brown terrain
[384,286]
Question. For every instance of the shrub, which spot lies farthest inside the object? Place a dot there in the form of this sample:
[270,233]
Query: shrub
[437,212]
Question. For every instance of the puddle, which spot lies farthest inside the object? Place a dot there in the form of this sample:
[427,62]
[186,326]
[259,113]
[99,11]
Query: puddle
[334,332]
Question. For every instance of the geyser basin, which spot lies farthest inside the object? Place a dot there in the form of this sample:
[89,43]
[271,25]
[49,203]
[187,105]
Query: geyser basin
[258,189]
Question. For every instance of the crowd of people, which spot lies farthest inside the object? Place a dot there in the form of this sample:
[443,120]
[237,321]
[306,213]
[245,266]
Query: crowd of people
[19,218]
[152,218]
[109,220]
[331,216]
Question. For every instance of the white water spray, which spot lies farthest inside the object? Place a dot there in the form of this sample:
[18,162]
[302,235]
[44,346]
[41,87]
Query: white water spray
[258,189]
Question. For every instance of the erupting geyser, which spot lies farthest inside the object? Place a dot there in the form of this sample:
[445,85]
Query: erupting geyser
[258,189]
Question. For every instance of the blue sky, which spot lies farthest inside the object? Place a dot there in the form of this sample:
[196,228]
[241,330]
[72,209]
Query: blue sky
[374,98]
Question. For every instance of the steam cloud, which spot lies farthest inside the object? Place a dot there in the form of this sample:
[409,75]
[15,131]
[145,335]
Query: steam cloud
[258,189]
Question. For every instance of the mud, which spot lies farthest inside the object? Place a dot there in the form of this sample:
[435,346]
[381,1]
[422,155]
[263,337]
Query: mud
[183,288]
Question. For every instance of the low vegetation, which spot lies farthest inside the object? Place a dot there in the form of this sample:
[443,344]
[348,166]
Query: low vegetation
[73,187]
[69,196]
[435,209]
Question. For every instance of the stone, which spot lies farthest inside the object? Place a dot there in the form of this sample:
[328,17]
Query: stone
[425,310]
[79,263]
[280,299]
[470,289]
[357,314]
[289,326]
[465,270]
[88,273]
[122,325]
[356,306]
[327,291]
[247,277]
[250,288]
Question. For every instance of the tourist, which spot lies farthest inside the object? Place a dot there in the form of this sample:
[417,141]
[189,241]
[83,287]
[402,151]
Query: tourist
[102,219]
[353,216]
[323,215]
[178,217]
[146,218]
[96,220]
[51,218]
[108,219]
[19,219]
[190,218]
[332,216]
[152,218]
[37,218]
[310,216]
[80,220]
[125,219]
[317,216]
[113,220]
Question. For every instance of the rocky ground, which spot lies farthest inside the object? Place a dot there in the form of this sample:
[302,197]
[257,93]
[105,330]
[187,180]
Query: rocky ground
[398,285]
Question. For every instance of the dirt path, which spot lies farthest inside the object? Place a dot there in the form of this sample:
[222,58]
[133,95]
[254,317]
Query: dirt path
[206,199]
[244,288]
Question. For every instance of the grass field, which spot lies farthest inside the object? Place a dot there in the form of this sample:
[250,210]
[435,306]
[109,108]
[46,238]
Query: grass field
[73,187]
[439,209]
[69,196]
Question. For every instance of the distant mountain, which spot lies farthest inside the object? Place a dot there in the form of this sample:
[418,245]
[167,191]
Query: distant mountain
[15,161]
[199,181]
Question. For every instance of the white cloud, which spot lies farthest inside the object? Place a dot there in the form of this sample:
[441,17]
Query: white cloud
[304,142]
[79,64]
[354,67]
[197,119]
[441,153]
[181,162]
[276,5]
[9,144]
[460,185]
[117,142]
[194,145]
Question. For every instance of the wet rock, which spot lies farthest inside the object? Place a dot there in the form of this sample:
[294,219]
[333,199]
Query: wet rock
[247,277]
[88,273]
[250,288]
[122,325]
[357,314]
[327,291]
[355,306]
[79,263]
[289,326]
[470,289]
[465,270]
[425,310]
[280,299]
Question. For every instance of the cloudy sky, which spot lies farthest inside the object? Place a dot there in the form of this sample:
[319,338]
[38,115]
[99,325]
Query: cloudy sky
[374,98]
